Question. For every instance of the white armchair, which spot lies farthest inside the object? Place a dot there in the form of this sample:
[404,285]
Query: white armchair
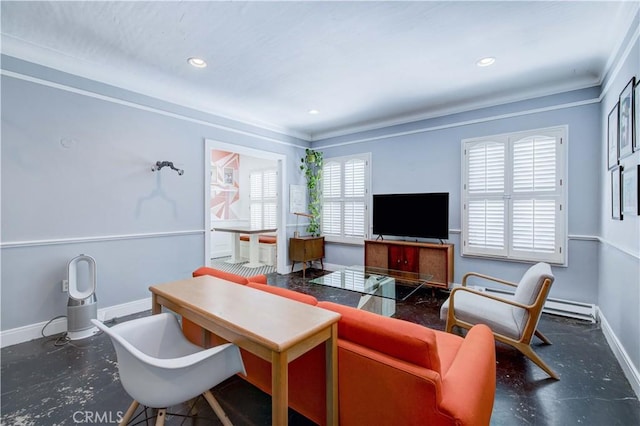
[159,367]
[513,320]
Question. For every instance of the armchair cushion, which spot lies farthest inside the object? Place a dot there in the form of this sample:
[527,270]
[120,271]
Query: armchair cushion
[531,283]
[475,309]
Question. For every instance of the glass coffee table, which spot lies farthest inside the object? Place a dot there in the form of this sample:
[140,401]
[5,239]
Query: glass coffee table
[376,286]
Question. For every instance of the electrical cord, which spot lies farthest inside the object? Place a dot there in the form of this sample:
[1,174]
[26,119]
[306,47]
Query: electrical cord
[48,323]
[64,338]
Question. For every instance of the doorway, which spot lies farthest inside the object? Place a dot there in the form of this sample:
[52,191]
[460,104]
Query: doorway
[226,175]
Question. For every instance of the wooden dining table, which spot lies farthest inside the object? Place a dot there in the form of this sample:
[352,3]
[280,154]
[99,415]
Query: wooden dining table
[272,327]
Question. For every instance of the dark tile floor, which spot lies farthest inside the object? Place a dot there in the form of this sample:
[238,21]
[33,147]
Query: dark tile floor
[45,384]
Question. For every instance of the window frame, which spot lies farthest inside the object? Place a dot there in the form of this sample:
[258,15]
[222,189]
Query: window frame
[366,198]
[560,195]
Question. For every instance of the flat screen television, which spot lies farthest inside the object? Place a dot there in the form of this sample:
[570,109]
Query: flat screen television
[423,215]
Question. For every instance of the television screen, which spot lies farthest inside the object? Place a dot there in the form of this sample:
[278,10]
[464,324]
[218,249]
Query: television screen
[412,215]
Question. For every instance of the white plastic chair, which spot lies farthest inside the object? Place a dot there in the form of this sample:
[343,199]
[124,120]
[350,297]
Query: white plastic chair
[159,367]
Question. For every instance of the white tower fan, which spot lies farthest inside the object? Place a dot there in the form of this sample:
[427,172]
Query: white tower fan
[82,306]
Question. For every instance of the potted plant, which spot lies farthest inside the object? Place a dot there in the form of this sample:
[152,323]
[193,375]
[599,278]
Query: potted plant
[311,166]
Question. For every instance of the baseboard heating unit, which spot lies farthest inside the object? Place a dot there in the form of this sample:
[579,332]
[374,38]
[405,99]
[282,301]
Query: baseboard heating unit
[565,308]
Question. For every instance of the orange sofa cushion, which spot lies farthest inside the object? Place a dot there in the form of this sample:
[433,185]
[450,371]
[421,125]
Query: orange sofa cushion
[205,270]
[285,292]
[400,339]
[264,239]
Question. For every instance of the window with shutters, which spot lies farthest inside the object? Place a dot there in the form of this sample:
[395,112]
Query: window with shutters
[345,198]
[514,196]
[263,197]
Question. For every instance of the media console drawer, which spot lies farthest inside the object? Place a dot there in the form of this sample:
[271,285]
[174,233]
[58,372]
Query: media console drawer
[423,258]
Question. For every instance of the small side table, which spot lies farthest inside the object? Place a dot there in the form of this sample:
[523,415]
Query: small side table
[306,249]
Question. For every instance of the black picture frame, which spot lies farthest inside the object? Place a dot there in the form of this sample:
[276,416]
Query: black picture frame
[616,193]
[625,120]
[636,116]
[631,190]
[612,138]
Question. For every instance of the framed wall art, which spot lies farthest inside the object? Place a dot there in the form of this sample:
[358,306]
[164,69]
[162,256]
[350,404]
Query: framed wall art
[636,114]
[625,120]
[630,189]
[612,138]
[616,204]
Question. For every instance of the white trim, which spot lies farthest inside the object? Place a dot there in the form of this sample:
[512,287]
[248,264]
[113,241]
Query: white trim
[465,107]
[612,77]
[210,144]
[463,123]
[578,237]
[367,197]
[508,196]
[630,371]
[34,331]
[607,74]
[132,104]
[97,238]
[619,248]
[124,309]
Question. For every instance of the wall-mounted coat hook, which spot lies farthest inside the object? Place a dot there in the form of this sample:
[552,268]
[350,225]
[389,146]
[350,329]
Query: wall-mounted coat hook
[161,164]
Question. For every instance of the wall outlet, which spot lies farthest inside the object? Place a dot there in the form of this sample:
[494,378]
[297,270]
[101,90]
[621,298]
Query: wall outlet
[65,286]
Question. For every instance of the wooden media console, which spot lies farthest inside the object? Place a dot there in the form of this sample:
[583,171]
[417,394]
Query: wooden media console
[411,257]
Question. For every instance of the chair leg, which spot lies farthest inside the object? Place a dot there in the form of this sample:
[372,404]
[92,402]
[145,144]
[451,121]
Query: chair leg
[217,408]
[162,413]
[529,353]
[127,416]
[193,408]
[542,337]
[449,327]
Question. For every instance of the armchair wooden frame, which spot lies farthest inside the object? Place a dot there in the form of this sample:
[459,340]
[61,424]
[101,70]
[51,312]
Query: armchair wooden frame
[534,310]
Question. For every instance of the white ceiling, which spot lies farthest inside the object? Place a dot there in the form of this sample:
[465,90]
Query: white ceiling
[362,64]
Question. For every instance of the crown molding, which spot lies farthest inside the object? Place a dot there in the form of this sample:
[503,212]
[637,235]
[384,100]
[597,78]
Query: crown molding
[59,61]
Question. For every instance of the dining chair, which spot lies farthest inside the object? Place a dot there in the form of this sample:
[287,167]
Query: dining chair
[160,368]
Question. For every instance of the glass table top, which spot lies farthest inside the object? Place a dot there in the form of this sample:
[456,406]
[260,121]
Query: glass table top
[373,281]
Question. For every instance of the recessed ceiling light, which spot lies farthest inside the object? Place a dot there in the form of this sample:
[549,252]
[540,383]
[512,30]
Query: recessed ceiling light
[485,62]
[313,111]
[197,62]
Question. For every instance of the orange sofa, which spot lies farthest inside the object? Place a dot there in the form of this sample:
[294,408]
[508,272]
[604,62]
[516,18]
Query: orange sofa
[390,371]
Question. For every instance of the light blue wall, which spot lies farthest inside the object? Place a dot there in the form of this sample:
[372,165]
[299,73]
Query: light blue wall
[100,187]
[428,159]
[619,253]
[98,195]
[603,257]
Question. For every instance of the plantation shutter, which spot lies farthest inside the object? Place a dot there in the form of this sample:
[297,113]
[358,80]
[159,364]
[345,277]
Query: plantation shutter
[486,204]
[344,192]
[354,192]
[535,196]
[513,196]
[331,185]
[263,195]
[255,195]
[270,198]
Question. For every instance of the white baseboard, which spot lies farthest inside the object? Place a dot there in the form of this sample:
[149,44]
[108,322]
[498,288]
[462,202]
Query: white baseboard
[34,331]
[630,371]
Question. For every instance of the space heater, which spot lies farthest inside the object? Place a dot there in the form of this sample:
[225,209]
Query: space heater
[82,306]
